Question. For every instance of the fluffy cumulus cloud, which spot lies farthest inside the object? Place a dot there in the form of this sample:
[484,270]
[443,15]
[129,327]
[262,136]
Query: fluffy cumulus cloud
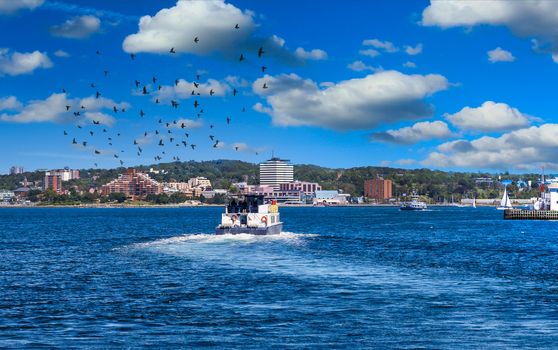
[418,132]
[410,50]
[53,109]
[213,23]
[364,103]
[409,64]
[537,19]
[522,149]
[77,27]
[18,63]
[11,6]
[315,54]
[61,53]
[183,90]
[359,66]
[9,103]
[369,52]
[500,55]
[386,46]
[489,117]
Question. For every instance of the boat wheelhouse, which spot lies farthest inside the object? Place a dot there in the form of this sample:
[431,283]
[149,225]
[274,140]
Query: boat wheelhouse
[250,214]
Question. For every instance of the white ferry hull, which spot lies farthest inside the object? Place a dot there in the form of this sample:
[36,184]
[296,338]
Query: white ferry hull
[261,231]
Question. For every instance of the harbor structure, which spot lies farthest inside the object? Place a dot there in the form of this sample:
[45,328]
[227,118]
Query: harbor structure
[275,172]
[331,198]
[133,184]
[378,189]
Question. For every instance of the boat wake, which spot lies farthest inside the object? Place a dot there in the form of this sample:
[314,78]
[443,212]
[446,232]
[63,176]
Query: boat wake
[202,238]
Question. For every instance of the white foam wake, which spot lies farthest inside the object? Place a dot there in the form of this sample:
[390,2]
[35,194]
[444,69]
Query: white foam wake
[203,238]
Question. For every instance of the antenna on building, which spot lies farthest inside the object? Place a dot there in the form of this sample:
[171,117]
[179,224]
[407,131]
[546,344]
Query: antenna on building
[272,154]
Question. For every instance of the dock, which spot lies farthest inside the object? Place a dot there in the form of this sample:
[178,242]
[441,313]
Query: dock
[519,214]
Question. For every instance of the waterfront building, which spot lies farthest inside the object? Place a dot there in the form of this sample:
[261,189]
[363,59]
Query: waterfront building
[133,184]
[378,189]
[200,182]
[173,187]
[308,188]
[6,196]
[275,172]
[331,198]
[65,174]
[53,182]
[16,170]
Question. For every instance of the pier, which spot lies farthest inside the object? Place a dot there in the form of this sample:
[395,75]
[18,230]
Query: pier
[519,214]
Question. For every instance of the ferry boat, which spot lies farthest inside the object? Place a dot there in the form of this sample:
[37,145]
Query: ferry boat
[250,214]
[414,204]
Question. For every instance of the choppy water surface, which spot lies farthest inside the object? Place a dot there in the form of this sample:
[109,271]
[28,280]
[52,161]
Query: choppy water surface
[338,277]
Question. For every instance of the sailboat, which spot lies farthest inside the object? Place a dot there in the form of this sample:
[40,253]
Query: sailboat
[505,203]
[474,202]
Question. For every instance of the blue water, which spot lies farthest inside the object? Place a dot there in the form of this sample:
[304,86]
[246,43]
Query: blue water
[338,277]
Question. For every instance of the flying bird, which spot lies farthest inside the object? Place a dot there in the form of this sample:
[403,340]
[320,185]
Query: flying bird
[172,50]
[237,26]
[196,104]
[196,40]
[241,58]
[68,108]
[142,113]
[132,56]
[260,52]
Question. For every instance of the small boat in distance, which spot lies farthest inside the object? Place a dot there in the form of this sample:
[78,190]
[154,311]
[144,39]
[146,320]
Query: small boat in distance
[505,203]
[250,214]
[414,204]
[474,202]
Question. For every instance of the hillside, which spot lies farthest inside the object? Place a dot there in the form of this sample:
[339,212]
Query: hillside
[222,173]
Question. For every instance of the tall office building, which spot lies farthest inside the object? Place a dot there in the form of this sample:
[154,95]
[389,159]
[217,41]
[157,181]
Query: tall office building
[378,189]
[54,182]
[275,172]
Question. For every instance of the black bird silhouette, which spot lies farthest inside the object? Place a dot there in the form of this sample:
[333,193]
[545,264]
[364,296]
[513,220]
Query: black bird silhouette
[211,126]
[211,137]
[142,113]
[97,94]
[121,162]
[65,133]
[139,149]
[116,156]
[237,26]
[106,72]
[68,108]
[236,148]
[196,40]
[137,83]
[82,107]
[244,109]
[97,152]
[79,126]
[228,120]
[154,79]
[187,135]
[168,125]
[241,58]
[182,125]
[161,142]
[260,52]
[123,109]
[172,139]
[184,143]
[74,141]
[211,92]
[92,85]
[174,104]
[235,92]
[159,87]
[169,132]
[193,146]
[132,56]
[156,100]
[156,132]
[95,164]
[145,134]
[115,109]
[264,86]
[196,104]
[216,144]
[98,52]
[172,50]
[63,90]
[84,143]
[145,90]
[176,82]
[160,121]
[197,85]
[76,114]
[104,130]
[263,69]
[135,142]
[91,133]
[197,77]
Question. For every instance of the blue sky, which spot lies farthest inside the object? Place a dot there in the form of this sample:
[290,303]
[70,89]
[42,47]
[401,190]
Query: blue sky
[444,85]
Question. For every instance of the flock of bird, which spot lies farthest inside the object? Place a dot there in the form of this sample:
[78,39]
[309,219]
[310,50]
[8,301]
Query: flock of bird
[171,137]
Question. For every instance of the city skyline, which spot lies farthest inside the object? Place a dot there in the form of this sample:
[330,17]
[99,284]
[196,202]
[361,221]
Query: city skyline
[443,85]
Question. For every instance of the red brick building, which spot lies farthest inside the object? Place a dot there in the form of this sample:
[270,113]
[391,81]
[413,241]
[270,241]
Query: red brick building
[53,182]
[133,184]
[378,189]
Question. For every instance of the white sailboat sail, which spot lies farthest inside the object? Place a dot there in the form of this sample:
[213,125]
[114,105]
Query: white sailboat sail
[505,202]
[474,202]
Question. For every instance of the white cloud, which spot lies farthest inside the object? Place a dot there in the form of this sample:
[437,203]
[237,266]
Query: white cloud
[240,147]
[9,103]
[500,55]
[213,23]
[102,118]
[383,97]
[533,18]
[183,90]
[387,46]
[409,64]
[77,27]
[10,6]
[359,66]
[412,51]
[188,123]
[233,80]
[418,132]
[22,63]
[53,109]
[61,53]
[489,117]
[315,54]
[520,149]
[369,52]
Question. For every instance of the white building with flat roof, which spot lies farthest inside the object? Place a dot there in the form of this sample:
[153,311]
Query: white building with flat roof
[275,172]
